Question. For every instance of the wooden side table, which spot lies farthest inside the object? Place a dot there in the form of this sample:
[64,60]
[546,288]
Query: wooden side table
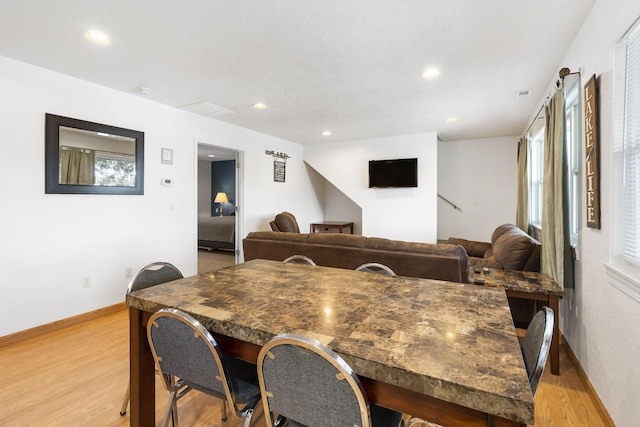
[333,226]
[532,286]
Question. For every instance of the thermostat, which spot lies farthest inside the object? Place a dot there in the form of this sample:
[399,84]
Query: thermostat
[167,181]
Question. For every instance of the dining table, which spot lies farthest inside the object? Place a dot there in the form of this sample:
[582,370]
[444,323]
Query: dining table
[442,351]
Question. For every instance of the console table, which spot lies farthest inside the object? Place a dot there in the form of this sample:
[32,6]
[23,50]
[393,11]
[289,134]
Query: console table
[331,225]
[528,285]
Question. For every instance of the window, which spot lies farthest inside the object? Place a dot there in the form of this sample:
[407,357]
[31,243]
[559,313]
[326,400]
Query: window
[114,169]
[536,171]
[573,136]
[624,269]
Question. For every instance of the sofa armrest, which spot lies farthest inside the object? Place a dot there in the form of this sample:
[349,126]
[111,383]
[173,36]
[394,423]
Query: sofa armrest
[473,248]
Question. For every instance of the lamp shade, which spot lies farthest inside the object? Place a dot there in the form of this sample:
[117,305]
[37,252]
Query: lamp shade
[221,198]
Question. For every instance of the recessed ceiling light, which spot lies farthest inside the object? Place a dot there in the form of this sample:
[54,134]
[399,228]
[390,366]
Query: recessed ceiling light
[97,37]
[451,119]
[431,73]
[326,133]
[259,106]
[211,155]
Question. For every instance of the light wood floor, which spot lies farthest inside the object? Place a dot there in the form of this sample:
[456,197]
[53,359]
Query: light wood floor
[78,376]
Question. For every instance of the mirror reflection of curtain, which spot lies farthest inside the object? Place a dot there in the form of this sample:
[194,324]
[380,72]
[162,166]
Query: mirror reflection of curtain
[77,166]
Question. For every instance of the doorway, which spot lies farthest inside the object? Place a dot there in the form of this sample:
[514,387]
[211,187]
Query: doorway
[219,195]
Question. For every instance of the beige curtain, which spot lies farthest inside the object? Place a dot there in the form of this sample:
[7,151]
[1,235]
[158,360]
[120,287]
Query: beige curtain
[522,206]
[77,166]
[556,257]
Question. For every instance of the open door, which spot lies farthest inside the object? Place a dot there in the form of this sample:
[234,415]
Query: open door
[219,193]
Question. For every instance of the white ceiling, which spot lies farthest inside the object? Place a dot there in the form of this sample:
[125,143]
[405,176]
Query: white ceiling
[350,66]
[219,154]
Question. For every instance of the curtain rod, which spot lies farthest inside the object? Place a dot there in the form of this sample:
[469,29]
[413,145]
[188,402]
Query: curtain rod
[98,150]
[564,72]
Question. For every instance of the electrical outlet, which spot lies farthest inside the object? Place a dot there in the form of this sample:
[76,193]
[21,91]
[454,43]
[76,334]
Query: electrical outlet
[128,273]
[86,282]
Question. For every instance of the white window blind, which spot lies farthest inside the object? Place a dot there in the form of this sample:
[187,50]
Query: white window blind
[536,157]
[630,191]
[623,271]
[573,136]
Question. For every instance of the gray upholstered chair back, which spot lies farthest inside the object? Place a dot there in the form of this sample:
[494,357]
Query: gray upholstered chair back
[375,267]
[536,345]
[188,357]
[154,274]
[300,259]
[184,349]
[150,275]
[309,384]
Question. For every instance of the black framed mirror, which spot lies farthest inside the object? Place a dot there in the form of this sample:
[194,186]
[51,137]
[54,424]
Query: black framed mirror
[84,157]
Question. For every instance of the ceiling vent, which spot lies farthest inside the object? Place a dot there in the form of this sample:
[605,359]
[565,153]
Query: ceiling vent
[206,109]
[521,94]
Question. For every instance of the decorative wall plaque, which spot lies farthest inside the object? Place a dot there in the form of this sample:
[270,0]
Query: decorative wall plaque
[279,171]
[279,164]
[592,152]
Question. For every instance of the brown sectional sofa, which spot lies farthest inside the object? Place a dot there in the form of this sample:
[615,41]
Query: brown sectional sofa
[510,249]
[442,261]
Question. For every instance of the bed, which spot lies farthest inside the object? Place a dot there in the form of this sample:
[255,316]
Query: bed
[217,232]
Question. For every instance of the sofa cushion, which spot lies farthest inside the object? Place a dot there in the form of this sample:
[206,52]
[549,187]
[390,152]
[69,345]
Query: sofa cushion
[443,262]
[288,237]
[340,239]
[515,249]
[473,248]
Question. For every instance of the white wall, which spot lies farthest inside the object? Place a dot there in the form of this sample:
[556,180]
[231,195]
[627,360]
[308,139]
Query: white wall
[599,322]
[478,176]
[50,243]
[204,186]
[395,213]
[338,207]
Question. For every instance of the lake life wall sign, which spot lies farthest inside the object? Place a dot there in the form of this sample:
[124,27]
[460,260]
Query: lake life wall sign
[592,152]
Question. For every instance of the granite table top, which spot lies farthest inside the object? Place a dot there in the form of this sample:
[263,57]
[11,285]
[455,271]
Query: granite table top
[522,281]
[452,341]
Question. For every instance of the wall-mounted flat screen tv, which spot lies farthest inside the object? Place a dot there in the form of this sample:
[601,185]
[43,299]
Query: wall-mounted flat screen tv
[393,173]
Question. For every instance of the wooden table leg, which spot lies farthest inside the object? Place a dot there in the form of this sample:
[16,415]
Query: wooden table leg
[501,422]
[142,372]
[555,341]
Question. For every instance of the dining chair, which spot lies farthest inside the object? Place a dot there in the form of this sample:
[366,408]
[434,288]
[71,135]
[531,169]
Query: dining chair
[536,345]
[189,358]
[300,259]
[310,385]
[150,275]
[375,267]
[535,350]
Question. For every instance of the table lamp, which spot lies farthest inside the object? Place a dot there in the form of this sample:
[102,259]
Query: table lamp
[221,198]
